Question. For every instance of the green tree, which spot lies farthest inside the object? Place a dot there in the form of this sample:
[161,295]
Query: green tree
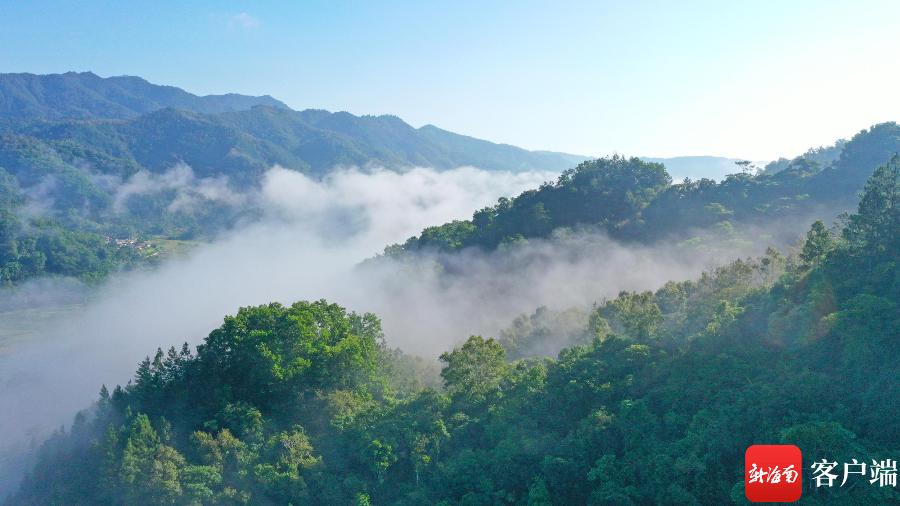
[876,225]
[149,470]
[475,370]
[818,243]
[633,314]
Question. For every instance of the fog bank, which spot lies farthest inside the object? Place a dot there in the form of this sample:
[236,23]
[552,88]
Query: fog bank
[308,247]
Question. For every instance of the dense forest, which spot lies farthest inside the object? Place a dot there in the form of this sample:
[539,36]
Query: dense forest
[630,199]
[647,398]
[85,95]
[92,168]
[68,206]
[100,174]
[654,401]
[127,117]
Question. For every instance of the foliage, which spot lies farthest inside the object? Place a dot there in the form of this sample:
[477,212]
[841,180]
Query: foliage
[91,157]
[292,405]
[633,200]
[99,158]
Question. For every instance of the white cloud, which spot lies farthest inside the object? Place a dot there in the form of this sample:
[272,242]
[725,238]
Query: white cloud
[308,246]
[244,20]
[180,178]
[317,231]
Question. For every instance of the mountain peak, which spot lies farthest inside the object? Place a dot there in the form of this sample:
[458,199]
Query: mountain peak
[85,95]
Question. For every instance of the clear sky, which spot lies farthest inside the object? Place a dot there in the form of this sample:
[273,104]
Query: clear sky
[752,80]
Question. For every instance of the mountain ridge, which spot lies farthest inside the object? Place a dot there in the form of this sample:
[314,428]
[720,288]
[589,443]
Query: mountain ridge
[313,140]
[85,95]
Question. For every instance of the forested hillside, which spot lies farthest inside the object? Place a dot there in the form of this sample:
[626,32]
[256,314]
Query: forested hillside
[630,199]
[85,95]
[75,192]
[92,168]
[655,401]
[242,144]
[96,174]
[229,134]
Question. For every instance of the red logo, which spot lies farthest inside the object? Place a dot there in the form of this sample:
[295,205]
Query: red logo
[772,473]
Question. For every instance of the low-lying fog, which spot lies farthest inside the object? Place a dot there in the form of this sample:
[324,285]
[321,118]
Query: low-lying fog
[315,235]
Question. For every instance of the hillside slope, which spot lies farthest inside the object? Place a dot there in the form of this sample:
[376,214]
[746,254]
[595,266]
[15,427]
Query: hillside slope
[80,107]
[635,200]
[86,95]
[656,404]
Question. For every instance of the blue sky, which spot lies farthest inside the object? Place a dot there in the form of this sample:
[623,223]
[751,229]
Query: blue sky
[752,80]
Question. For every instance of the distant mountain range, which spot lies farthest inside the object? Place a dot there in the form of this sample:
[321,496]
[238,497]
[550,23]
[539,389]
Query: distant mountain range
[235,135]
[241,135]
[86,95]
[84,160]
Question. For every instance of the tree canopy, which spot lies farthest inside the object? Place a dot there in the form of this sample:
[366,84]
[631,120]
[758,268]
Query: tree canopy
[654,401]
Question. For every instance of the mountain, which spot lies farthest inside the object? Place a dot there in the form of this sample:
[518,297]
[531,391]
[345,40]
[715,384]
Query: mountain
[241,135]
[70,150]
[823,155]
[85,95]
[654,402]
[653,399]
[717,167]
[479,153]
[71,144]
[633,199]
[242,144]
